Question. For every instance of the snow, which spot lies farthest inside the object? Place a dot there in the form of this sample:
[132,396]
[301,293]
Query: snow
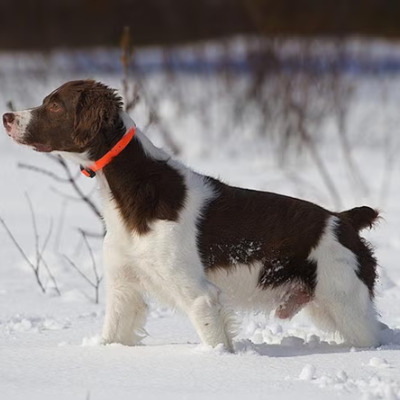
[49,344]
[307,373]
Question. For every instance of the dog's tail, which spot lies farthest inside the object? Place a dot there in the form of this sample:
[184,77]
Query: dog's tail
[360,217]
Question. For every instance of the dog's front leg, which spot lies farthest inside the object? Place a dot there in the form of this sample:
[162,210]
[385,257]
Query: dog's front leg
[125,315]
[212,319]
[126,311]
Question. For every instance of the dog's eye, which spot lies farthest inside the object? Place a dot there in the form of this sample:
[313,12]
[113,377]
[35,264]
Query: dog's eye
[54,107]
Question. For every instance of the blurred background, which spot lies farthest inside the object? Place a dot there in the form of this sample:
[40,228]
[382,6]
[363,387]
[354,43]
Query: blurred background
[45,24]
[298,97]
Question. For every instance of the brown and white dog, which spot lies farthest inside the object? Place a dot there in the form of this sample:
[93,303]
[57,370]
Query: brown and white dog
[199,244]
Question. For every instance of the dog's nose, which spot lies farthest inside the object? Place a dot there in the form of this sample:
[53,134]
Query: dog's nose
[8,118]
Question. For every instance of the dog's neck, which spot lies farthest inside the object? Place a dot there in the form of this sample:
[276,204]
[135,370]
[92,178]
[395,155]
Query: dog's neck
[143,183]
[142,180]
[148,147]
[88,157]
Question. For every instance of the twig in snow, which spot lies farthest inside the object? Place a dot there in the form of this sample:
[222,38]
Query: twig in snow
[39,250]
[34,268]
[97,279]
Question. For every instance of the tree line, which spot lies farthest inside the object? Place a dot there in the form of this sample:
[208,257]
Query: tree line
[45,24]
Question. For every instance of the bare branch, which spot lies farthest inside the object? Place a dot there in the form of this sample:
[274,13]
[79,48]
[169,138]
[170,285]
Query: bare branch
[316,157]
[23,254]
[70,179]
[39,251]
[91,234]
[91,255]
[98,279]
[78,190]
[65,195]
[155,118]
[84,276]
[138,92]
[46,241]
[35,230]
[42,171]
[10,105]
[51,276]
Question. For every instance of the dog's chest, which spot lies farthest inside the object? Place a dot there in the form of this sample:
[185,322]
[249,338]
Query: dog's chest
[162,260]
[130,247]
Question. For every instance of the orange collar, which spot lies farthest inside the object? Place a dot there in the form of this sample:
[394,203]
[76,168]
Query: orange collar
[90,171]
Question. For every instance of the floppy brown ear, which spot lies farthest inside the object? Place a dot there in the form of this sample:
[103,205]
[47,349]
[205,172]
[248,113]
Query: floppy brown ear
[89,118]
[97,109]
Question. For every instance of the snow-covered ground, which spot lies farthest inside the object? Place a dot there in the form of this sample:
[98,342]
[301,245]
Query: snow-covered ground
[49,343]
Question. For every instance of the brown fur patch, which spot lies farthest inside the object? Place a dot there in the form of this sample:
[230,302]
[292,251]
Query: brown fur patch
[144,189]
[97,111]
[244,226]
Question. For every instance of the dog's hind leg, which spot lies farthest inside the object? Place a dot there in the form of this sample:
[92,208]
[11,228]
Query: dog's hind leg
[352,315]
[342,300]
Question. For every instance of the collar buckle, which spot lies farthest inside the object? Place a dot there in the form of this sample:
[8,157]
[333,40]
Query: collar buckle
[87,172]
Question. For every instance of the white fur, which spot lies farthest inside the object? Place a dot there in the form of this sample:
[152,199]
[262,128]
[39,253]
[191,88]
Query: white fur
[148,147]
[77,158]
[240,286]
[18,127]
[342,302]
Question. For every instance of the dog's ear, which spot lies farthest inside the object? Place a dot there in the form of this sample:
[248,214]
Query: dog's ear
[97,109]
[88,119]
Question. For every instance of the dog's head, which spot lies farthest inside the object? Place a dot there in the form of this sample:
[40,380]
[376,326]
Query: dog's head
[76,117]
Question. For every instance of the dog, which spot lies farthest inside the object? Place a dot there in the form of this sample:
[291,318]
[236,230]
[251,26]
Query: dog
[196,243]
